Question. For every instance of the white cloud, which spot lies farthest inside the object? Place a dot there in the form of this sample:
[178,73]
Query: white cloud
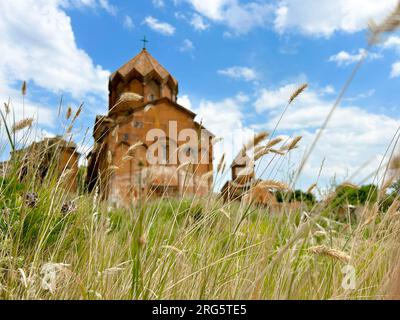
[392,42]
[324,17]
[240,73]
[128,23]
[187,45]
[272,99]
[395,70]
[158,3]
[198,23]
[195,20]
[353,136]
[160,27]
[184,101]
[344,58]
[108,7]
[38,44]
[240,18]
[103,4]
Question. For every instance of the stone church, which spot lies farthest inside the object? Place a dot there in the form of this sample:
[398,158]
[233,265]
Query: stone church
[148,145]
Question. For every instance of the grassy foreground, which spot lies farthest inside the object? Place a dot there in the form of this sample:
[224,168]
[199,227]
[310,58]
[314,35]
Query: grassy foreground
[201,249]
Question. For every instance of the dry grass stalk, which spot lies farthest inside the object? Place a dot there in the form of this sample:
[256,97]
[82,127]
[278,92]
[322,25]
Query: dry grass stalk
[333,253]
[221,163]
[394,208]
[20,125]
[207,176]
[395,163]
[215,140]
[183,165]
[298,92]
[113,168]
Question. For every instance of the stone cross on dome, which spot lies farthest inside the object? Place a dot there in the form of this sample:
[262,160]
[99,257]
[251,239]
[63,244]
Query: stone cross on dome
[145,42]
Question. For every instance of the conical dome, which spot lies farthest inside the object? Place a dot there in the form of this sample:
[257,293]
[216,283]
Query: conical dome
[145,65]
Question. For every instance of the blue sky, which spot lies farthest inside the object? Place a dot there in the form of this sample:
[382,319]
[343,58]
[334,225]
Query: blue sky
[237,63]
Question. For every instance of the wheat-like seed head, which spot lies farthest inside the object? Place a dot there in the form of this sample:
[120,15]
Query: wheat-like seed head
[78,112]
[130,97]
[293,144]
[272,184]
[333,253]
[349,185]
[135,146]
[311,188]
[69,113]
[261,153]
[20,125]
[278,152]
[274,142]
[390,24]
[127,158]
[7,108]
[255,141]
[109,157]
[23,88]
[298,92]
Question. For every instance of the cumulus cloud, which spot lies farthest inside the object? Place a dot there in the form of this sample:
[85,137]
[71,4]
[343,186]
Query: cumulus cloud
[353,136]
[392,42]
[344,58]
[239,17]
[198,23]
[187,45]
[395,70]
[160,27]
[128,23]
[240,73]
[324,17]
[158,3]
[102,4]
[38,44]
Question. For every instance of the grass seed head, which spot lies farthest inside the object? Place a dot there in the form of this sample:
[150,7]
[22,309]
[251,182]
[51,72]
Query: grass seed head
[20,125]
[333,253]
[298,92]
[23,88]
